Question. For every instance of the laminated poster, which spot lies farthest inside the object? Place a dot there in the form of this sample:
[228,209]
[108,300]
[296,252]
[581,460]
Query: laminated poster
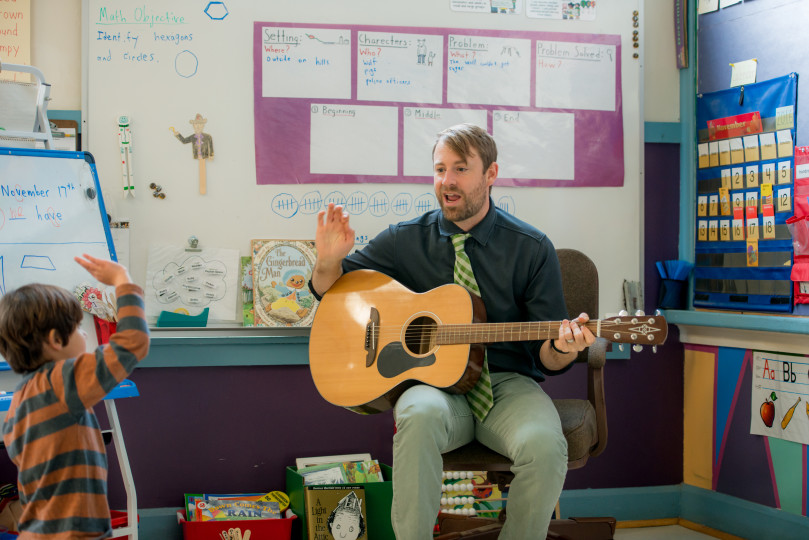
[780,397]
[187,282]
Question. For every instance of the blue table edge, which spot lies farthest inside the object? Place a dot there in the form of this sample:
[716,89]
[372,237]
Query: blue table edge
[125,389]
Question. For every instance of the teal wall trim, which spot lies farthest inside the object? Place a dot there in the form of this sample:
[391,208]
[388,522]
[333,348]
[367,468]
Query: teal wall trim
[231,350]
[65,115]
[715,510]
[747,321]
[688,135]
[661,132]
[739,517]
[159,523]
[243,347]
[624,504]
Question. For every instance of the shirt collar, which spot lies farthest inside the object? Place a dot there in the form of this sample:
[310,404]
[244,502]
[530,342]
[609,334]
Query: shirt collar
[480,232]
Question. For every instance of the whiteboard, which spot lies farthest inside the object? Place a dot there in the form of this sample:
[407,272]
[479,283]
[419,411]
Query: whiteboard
[50,212]
[162,63]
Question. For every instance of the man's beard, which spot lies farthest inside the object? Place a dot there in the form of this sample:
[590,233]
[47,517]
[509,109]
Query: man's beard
[471,203]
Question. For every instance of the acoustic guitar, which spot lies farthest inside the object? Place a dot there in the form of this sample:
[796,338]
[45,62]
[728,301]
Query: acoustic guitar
[372,338]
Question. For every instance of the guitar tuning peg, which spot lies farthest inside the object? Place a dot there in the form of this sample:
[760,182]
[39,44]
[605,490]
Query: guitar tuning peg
[640,313]
[654,349]
[637,348]
[621,347]
[623,313]
[658,313]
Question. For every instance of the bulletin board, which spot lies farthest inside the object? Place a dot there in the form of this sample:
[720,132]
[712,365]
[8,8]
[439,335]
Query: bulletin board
[161,64]
[746,30]
[745,194]
[742,32]
[361,103]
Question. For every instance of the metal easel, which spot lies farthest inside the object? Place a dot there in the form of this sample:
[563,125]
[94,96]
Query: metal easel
[29,120]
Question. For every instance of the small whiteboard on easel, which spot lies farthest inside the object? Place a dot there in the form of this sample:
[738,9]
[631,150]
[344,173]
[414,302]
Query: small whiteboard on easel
[51,210]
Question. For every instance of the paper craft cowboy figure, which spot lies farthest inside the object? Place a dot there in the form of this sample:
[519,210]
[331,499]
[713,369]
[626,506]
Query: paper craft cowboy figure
[202,147]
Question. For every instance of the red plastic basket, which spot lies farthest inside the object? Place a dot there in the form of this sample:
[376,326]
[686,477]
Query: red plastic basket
[120,519]
[263,529]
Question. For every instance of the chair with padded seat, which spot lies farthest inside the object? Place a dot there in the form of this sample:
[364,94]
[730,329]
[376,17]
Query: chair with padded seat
[584,421]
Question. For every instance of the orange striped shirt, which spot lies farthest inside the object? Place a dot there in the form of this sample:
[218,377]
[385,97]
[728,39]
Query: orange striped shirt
[53,437]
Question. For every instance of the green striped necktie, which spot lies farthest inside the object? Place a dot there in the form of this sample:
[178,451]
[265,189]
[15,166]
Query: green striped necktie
[480,397]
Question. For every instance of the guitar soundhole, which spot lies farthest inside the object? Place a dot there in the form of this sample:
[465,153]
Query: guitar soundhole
[419,336]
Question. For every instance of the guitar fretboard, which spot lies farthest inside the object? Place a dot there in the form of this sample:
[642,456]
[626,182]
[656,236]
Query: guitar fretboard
[454,334]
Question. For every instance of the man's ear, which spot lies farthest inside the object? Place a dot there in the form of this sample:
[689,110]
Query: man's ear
[491,173]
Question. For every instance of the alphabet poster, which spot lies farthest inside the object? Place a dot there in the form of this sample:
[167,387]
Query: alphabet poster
[780,397]
[362,104]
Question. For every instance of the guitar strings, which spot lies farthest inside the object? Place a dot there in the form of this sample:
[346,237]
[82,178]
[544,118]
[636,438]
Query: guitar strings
[536,329]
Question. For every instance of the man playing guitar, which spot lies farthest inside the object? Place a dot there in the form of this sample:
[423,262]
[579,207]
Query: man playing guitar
[517,274]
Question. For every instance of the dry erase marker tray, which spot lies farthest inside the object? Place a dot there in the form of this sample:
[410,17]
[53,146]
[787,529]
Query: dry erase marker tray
[125,389]
[260,529]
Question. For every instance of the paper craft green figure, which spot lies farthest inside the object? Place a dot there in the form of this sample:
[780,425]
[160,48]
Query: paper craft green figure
[202,147]
[125,146]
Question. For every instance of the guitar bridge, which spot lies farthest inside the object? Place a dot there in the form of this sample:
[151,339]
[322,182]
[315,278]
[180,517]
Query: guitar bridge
[371,337]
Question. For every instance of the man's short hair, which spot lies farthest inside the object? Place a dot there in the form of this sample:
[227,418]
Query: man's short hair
[27,315]
[463,138]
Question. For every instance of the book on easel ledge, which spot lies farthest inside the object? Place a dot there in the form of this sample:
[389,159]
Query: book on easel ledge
[336,512]
[281,273]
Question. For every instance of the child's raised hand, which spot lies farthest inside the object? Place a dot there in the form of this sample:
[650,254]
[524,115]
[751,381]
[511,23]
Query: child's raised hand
[105,271]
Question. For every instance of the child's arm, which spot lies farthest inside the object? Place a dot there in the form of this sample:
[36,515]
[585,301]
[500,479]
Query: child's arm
[128,345]
[105,271]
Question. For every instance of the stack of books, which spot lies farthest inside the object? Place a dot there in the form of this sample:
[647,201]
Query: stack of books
[235,506]
[342,469]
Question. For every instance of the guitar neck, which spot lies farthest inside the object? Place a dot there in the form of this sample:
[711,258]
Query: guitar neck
[455,334]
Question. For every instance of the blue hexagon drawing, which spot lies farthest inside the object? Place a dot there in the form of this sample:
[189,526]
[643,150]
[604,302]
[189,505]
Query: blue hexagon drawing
[216,10]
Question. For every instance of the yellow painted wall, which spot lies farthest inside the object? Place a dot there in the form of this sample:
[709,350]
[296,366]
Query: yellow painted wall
[698,418]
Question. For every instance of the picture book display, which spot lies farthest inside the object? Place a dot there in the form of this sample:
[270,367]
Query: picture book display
[281,273]
[336,512]
[226,509]
[235,506]
[342,472]
[248,318]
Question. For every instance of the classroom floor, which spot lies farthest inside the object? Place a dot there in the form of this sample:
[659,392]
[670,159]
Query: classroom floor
[666,532]
[663,532]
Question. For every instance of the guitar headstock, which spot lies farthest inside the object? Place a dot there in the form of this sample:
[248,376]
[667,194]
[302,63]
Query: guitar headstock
[638,329]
